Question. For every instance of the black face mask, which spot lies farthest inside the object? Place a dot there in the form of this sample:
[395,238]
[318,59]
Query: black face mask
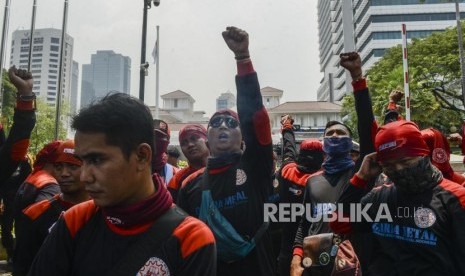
[416,179]
[310,163]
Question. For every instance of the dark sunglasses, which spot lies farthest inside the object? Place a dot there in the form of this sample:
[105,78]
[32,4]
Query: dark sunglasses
[217,121]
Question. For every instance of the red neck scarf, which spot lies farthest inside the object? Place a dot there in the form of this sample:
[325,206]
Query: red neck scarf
[142,212]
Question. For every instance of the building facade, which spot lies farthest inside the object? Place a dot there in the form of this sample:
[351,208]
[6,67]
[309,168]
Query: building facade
[45,61]
[108,71]
[226,100]
[370,27]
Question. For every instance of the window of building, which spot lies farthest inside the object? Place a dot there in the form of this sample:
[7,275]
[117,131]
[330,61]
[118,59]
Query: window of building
[52,82]
[54,48]
[36,82]
[22,61]
[53,66]
[328,118]
[53,71]
[36,55]
[38,40]
[25,41]
[175,103]
[37,60]
[53,60]
[24,49]
[52,77]
[51,87]
[55,40]
[53,55]
[36,65]
[37,48]
[315,122]
[36,71]
[23,56]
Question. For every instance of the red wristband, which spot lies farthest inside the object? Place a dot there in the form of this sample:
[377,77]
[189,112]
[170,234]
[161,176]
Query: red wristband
[358,182]
[244,67]
[359,85]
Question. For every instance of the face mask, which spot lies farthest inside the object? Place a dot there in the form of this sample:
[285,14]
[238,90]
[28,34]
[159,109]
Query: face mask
[417,178]
[337,150]
[337,146]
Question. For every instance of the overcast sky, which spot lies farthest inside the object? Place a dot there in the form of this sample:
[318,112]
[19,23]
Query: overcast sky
[193,55]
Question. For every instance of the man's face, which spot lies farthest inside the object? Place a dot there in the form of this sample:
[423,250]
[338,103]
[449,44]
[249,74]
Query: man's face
[337,131]
[68,177]
[224,135]
[398,164]
[110,178]
[194,148]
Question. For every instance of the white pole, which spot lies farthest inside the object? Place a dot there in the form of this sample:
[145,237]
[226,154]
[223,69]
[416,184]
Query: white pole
[31,36]
[406,75]
[60,71]
[157,91]
[2,48]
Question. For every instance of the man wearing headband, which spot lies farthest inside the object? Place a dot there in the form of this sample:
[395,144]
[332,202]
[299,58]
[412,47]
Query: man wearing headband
[39,217]
[425,231]
[193,141]
[237,179]
[295,170]
[324,189]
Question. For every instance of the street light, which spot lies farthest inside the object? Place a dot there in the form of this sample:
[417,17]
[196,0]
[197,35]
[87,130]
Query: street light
[143,69]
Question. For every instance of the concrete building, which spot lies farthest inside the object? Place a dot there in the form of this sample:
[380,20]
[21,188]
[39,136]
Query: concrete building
[108,71]
[45,61]
[178,107]
[370,27]
[226,100]
[310,116]
[271,96]
[74,99]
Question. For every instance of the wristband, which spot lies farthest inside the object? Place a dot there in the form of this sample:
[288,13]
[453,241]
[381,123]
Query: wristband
[241,57]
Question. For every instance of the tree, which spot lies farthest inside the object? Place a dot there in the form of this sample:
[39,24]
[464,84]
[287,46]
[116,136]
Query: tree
[434,77]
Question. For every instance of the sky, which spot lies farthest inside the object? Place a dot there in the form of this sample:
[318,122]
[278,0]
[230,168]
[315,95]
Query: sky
[193,56]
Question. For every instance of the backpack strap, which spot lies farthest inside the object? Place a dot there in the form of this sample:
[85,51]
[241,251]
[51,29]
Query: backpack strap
[138,253]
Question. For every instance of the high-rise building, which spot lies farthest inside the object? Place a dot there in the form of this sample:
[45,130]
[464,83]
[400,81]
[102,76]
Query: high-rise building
[374,26]
[45,61]
[108,71]
[225,100]
[74,88]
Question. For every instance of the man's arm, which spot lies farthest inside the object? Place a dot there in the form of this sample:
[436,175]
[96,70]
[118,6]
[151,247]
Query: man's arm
[15,147]
[289,153]
[366,124]
[254,120]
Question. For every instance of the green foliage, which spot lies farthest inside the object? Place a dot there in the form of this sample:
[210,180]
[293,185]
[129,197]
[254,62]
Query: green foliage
[44,131]
[8,102]
[434,76]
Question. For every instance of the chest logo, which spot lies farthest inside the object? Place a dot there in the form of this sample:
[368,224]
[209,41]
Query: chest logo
[439,155]
[154,267]
[424,217]
[241,177]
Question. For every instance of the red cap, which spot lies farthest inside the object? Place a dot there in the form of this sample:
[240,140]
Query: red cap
[226,112]
[311,144]
[400,139]
[66,153]
[192,129]
[47,154]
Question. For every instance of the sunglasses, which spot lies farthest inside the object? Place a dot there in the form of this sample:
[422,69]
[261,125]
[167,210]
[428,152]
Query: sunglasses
[217,121]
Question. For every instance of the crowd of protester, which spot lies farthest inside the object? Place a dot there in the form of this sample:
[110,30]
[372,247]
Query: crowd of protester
[113,201]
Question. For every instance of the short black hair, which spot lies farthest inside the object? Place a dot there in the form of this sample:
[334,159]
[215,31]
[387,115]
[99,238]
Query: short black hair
[125,121]
[332,123]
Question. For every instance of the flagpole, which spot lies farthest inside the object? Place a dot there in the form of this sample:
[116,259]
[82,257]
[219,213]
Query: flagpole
[60,75]
[157,91]
[33,23]
[2,48]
